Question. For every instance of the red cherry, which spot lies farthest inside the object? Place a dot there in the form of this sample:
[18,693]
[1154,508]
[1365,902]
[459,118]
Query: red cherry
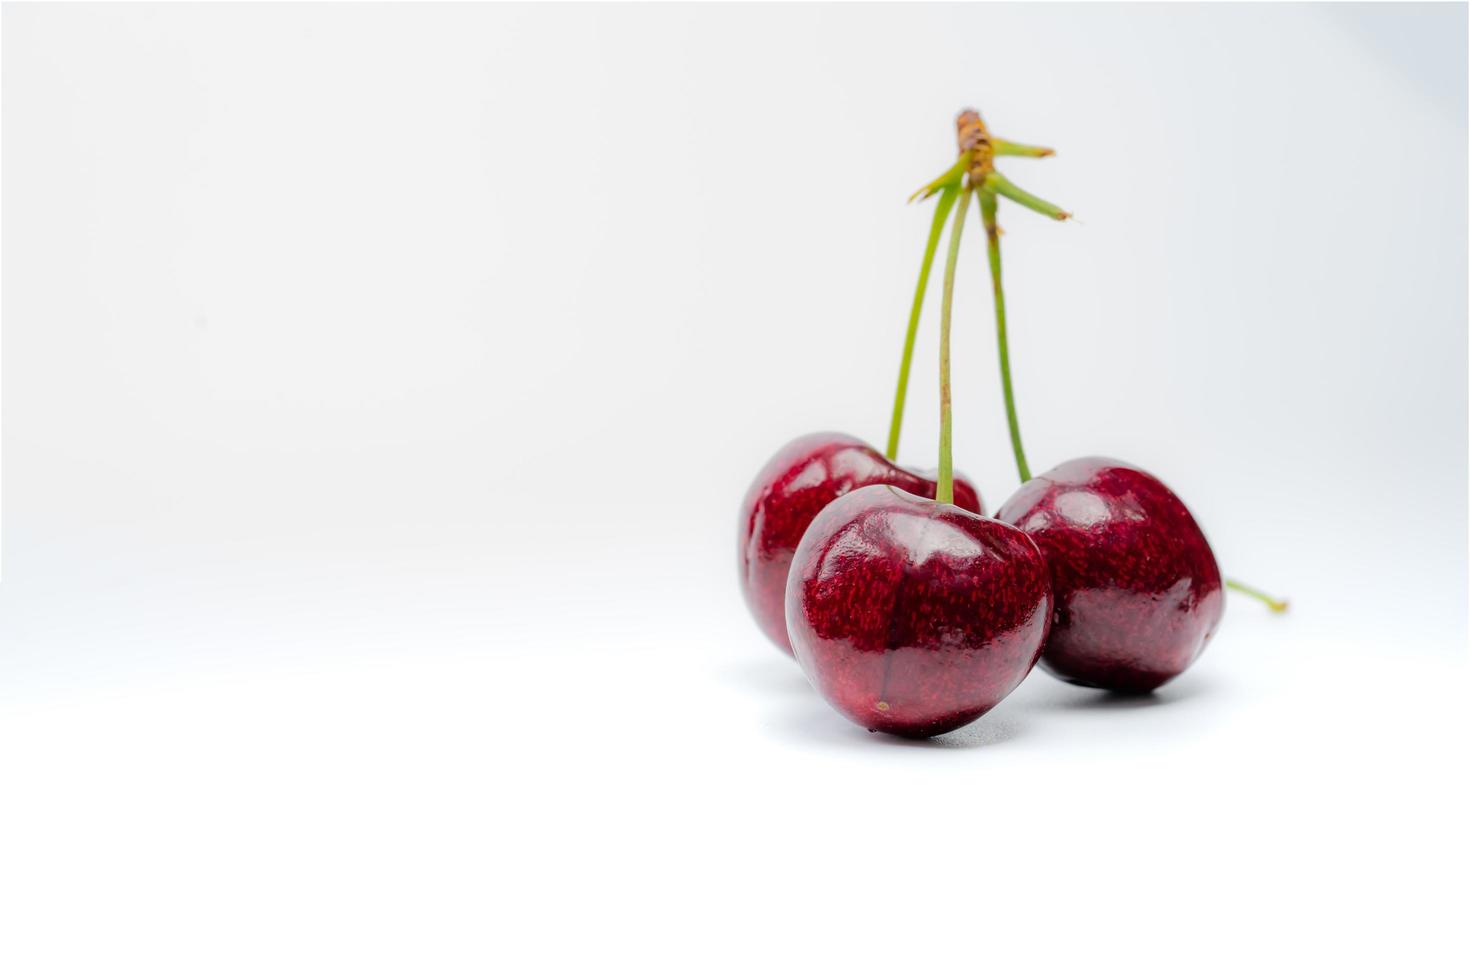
[1138,592]
[914,617]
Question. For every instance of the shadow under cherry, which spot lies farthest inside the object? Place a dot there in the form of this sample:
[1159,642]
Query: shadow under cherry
[815,722]
[1042,692]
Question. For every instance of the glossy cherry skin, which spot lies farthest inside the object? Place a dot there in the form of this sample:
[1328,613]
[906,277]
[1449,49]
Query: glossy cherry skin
[914,617]
[804,476]
[1138,592]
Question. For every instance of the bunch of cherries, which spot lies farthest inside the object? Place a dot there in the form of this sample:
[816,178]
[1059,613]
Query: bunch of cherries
[914,614]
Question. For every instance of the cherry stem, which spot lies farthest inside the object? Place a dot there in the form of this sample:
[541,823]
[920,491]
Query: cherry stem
[941,212]
[992,237]
[1272,603]
[944,493]
[997,182]
[950,178]
[1005,148]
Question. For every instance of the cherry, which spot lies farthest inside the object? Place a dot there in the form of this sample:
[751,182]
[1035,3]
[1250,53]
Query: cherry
[914,617]
[804,476]
[1138,591]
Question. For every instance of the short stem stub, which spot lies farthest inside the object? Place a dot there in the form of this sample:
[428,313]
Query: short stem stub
[1274,604]
[992,245]
[1005,148]
[997,183]
[941,213]
[944,492]
[949,179]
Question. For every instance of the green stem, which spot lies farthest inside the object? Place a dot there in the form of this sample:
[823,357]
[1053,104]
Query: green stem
[941,212]
[950,178]
[992,236]
[944,493]
[998,184]
[1272,603]
[1005,148]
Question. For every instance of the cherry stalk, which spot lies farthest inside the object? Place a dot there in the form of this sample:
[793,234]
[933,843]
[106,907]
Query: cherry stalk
[948,186]
[945,491]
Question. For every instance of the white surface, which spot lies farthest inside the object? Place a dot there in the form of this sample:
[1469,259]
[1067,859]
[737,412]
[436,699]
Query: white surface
[380,385]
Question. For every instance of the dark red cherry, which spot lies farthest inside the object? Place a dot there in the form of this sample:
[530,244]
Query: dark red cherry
[806,475]
[914,617]
[1138,593]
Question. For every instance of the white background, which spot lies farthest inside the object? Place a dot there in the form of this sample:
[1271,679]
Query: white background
[380,384]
